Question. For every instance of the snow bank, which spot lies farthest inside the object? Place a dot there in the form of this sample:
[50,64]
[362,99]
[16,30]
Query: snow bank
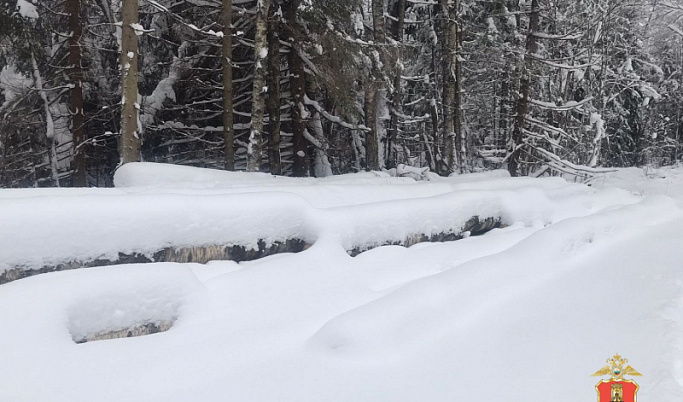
[425,309]
[645,181]
[37,231]
[163,175]
[72,308]
[43,231]
[123,299]
[158,174]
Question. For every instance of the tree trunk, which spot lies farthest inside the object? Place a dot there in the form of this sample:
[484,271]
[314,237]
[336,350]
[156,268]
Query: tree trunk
[460,140]
[525,90]
[49,122]
[501,133]
[504,107]
[374,86]
[433,103]
[322,166]
[371,146]
[297,83]
[76,92]
[274,92]
[378,21]
[255,147]
[130,139]
[449,61]
[228,119]
[398,28]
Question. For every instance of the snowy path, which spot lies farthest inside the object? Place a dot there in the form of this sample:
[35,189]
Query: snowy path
[516,315]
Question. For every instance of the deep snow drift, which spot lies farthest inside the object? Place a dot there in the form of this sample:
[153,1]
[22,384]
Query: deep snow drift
[579,273]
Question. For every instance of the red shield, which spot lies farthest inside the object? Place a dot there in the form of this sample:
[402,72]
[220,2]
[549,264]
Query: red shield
[617,391]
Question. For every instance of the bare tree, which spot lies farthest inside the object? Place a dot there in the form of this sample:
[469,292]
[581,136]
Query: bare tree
[228,129]
[525,89]
[449,61]
[76,91]
[130,136]
[374,86]
[297,84]
[255,147]
[398,30]
[273,102]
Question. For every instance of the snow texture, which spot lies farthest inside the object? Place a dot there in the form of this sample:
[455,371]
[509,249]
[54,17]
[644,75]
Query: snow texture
[275,210]
[27,10]
[580,273]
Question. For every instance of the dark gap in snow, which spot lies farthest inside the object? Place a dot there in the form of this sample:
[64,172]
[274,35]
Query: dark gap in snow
[204,254]
[137,330]
[473,227]
[196,254]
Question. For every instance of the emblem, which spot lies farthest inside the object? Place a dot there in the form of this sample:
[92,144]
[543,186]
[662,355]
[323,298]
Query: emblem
[617,389]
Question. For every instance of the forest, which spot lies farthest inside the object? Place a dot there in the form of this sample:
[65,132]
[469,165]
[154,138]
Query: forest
[321,87]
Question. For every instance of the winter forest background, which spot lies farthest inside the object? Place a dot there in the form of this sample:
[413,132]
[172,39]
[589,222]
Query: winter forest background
[538,87]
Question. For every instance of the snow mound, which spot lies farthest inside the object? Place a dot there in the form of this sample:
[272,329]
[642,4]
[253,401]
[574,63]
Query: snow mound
[149,222]
[124,306]
[645,181]
[579,274]
[119,299]
[424,311]
[141,174]
[155,174]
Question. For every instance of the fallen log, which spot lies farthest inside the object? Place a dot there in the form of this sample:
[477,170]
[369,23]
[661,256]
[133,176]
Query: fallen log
[202,254]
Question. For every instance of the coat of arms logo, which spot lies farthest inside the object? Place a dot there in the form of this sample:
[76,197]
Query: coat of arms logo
[617,388]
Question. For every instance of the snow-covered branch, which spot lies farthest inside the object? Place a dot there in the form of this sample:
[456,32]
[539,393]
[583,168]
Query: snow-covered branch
[332,118]
[567,106]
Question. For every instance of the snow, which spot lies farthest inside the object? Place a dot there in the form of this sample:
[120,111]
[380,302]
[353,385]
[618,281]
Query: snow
[27,10]
[274,211]
[579,273]
[675,29]
[139,29]
[124,298]
[491,26]
[13,84]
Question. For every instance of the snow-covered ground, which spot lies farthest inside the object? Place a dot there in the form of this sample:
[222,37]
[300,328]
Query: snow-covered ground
[523,313]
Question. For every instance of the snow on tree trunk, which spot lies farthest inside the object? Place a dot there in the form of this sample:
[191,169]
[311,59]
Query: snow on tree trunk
[460,140]
[274,124]
[130,139]
[322,166]
[76,92]
[525,90]
[49,122]
[374,87]
[255,145]
[297,84]
[597,122]
[448,60]
[164,89]
[358,150]
[228,119]
[398,28]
